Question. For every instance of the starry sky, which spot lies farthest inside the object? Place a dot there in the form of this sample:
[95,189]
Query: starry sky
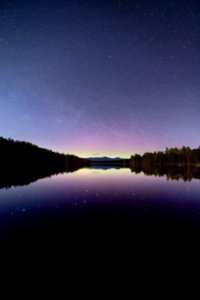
[97,78]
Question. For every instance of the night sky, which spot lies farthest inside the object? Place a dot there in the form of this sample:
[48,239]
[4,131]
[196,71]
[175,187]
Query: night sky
[98,78]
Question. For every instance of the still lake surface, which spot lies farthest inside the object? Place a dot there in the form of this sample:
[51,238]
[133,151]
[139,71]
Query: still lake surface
[99,205]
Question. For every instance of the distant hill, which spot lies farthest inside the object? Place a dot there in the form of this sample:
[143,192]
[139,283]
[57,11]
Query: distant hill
[104,158]
[103,161]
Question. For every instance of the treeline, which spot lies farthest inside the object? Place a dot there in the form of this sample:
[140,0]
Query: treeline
[174,163]
[23,162]
[171,156]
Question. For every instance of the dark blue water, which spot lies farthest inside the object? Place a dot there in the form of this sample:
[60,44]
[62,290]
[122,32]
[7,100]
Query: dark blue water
[96,208]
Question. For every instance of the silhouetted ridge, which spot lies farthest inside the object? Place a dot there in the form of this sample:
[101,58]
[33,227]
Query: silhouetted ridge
[108,161]
[23,162]
[105,158]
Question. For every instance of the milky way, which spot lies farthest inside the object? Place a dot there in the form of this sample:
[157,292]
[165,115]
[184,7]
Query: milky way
[100,77]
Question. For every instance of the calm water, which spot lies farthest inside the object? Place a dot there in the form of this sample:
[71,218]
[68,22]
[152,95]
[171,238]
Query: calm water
[98,206]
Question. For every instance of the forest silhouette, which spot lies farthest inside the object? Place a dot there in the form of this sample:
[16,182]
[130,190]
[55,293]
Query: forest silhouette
[174,163]
[22,163]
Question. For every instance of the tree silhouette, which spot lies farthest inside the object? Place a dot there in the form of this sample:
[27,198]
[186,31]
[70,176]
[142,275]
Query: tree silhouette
[173,162]
[22,162]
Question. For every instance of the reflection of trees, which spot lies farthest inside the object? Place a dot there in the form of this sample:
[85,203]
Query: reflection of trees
[22,163]
[24,177]
[174,172]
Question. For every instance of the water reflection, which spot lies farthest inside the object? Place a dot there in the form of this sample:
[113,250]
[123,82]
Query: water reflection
[20,177]
[172,172]
[98,205]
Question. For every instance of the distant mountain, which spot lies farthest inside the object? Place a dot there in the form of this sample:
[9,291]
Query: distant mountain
[104,158]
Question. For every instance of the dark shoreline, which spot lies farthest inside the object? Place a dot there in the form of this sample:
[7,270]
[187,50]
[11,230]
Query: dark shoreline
[22,163]
[20,177]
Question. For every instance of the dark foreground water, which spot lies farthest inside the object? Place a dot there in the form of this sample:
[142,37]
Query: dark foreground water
[102,209]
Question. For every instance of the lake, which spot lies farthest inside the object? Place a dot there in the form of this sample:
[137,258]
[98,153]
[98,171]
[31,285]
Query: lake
[99,207]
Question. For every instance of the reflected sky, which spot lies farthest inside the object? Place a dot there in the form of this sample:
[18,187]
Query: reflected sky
[72,208]
[87,187]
